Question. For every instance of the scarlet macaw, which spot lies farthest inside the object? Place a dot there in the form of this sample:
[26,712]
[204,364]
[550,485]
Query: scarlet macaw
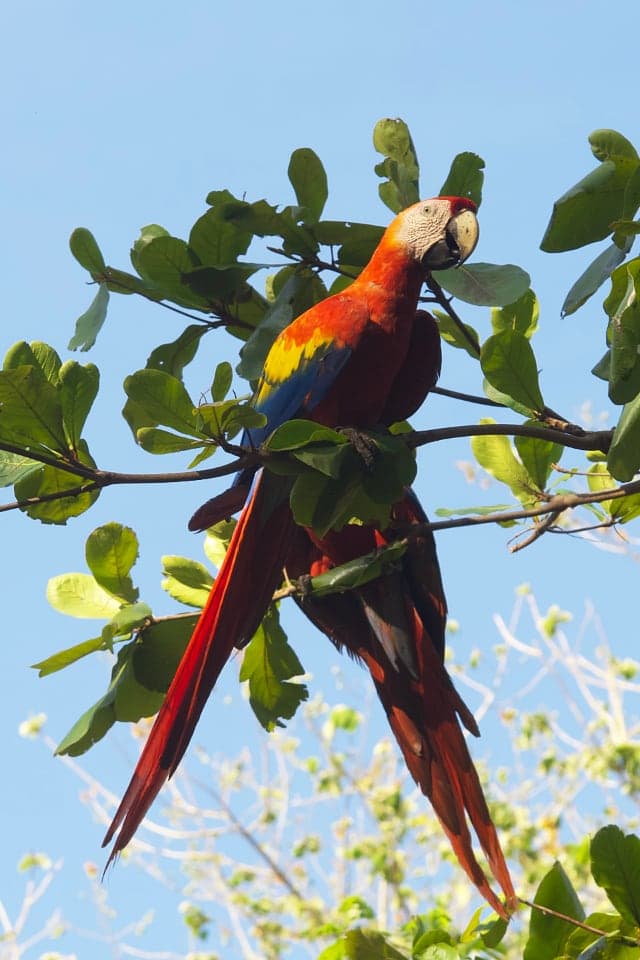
[361,358]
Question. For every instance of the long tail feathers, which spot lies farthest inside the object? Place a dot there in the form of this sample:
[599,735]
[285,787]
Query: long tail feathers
[233,611]
[395,626]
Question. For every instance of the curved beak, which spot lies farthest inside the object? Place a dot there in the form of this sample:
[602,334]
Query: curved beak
[460,238]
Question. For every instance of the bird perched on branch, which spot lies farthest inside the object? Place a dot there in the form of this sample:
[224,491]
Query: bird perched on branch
[362,358]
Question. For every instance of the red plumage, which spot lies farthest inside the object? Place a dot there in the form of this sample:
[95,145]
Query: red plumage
[362,358]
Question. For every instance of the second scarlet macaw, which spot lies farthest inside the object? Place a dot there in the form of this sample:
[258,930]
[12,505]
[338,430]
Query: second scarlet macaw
[361,358]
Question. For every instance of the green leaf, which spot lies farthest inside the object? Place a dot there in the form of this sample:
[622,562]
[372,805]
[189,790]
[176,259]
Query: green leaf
[216,241]
[400,166]
[357,572]
[509,364]
[451,333]
[164,261]
[44,481]
[78,595]
[496,455]
[269,664]
[615,865]
[521,316]
[35,354]
[173,357]
[159,650]
[221,381]
[89,324]
[78,389]
[363,944]
[157,441]
[623,459]
[30,410]
[537,457]
[309,181]
[586,212]
[164,399]
[124,700]
[217,539]
[547,933]
[187,581]
[623,308]
[111,551]
[485,284]
[481,511]
[86,251]
[295,434]
[465,178]
[593,277]
[62,659]
[13,467]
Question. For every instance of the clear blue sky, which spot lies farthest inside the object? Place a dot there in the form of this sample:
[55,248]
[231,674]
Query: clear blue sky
[119,115]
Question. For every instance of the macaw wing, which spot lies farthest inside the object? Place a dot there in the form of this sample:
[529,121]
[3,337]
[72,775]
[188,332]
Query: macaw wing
[286,390]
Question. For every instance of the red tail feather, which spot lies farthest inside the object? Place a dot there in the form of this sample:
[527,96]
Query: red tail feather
[235,607]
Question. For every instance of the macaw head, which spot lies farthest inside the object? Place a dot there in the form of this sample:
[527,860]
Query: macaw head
[438,233]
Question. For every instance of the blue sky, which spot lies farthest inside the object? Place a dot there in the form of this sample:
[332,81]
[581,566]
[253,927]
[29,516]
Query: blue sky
[117,116]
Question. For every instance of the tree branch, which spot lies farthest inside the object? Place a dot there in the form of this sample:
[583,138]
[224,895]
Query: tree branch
[581,440]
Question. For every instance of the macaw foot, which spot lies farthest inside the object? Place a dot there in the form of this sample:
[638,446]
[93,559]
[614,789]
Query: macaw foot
[363,444]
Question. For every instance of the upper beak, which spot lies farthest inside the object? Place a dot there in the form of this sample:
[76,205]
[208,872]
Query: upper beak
[459,241]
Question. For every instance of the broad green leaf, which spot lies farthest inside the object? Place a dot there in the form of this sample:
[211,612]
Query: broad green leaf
[615,865]
[187,581]
[269,664]
[31,412]
[626,228]
[62,659]
[451,333]
[35,354]
[13,467]
[78,389]
[611,145]
[521,316]
[164,261]
[593,277]
[221,381]
[111,551]
[295,434]
[78,595]
[86,251]
[356,243]
[586,945]
[363,944]
[89,324]
[547,933]
[623,334]
[157,441]
[217,541]
[164,399]
[400,166]
[509,364]
[173,357]
[309,181]
[357,572]
[465,178]
[125,700]
[122,624]
[496,455]
[221,285]
[159,650]
[216,241]
[538,457]
[485,284]
[586,212]
[623,459]
[45,481]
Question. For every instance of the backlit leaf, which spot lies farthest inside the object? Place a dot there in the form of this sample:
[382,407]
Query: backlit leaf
[111,551]
[485,284]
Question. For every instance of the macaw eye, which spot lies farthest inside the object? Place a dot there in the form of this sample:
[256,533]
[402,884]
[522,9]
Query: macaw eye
[426,209]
